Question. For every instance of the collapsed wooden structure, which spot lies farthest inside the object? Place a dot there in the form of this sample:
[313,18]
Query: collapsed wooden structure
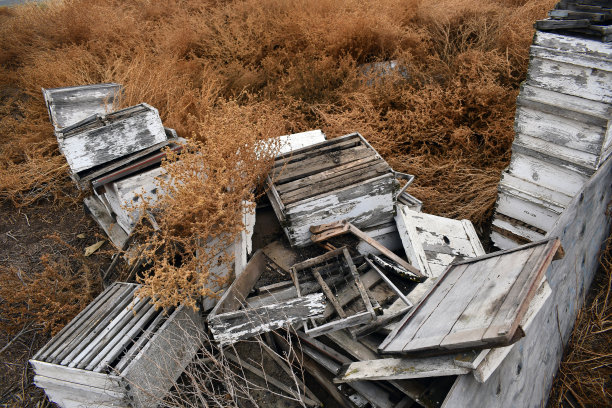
[402,307]
[120,351]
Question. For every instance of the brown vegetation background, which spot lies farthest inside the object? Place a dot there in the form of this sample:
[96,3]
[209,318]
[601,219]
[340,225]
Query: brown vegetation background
[226,73]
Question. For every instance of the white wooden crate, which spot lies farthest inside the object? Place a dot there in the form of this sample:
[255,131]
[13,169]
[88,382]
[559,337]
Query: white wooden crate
[119,351]
[339,179]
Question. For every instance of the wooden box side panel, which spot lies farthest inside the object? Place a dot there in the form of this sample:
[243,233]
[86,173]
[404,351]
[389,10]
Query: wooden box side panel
[155,369]
[364,205]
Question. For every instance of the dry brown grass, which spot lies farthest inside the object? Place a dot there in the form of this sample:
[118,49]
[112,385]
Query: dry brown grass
[227,73]
[585,375]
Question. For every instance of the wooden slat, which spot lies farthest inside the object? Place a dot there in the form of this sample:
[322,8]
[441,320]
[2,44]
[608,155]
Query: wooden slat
[98,380]
[338,143]
[97,323]
[515,305]
[332,184]
[72,328]
[478,315]
[228,328]
[315,165]
[400,368]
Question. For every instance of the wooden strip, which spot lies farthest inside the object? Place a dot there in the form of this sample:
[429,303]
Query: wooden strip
[400,368]
[362,290]
[75,324]
[122,340]
[514,307]
[436,324]
[93,396]
[329,294]
[135,349]
[332,184]
[350,321]
[309,263]
[317,150]
[75,344]
[325,175]
[231,327]
[474,320]
[300,170]
[96,324]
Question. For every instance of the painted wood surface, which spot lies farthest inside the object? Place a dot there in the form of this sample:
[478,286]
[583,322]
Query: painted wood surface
[111,137]
[288,143]
[342,178]
[526,374]
[400,368]
[475,303]
[228,328]
[431,243]
[70,105]
[89,360]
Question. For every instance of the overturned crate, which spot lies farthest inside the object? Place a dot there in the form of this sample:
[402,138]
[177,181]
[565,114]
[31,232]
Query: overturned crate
[342,178]
[119,351]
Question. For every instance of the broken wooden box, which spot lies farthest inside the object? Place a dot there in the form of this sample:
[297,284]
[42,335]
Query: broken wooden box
[475,304]
[119,351]
[232,319]
[342,178]
[97,140]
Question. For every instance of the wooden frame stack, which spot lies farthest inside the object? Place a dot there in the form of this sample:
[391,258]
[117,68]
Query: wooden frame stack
[119,351]
[342,178]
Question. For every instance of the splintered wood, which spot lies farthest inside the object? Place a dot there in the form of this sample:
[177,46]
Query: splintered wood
[343,178]
[119,351]
[475,304]
[337,263]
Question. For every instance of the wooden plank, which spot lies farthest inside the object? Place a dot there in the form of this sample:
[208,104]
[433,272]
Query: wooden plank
[515,305]
[474,320]
[350,321]
[315,165]
[431,331]
[283,145]
[230,327]
[339,143]
[356,176]
[122,136]
[350,292]
[326,175]
[329,294]
[92,396]
[400,368]
[96,209]
[235,295]
[61,373]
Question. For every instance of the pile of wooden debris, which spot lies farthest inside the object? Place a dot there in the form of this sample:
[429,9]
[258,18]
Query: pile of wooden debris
[379,299]
[588,17]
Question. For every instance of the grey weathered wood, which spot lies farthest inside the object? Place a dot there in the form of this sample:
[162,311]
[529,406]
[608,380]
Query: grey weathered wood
[230,327]
[115,233]
[451,316]
[97,380]
[70,105]
[521,380]
[400,368]
[129,130]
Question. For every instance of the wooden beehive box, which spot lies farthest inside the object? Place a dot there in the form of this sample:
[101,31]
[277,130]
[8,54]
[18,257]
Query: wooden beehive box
[339,179]
[119,351]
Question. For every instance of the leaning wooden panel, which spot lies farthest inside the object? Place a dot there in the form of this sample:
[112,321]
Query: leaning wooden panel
[342,178]
[451,315]
[98,358]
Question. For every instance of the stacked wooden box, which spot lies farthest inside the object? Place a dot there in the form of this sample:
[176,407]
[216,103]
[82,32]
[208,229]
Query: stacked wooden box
[339,179]
[584,17]
[119,351]
[563,135]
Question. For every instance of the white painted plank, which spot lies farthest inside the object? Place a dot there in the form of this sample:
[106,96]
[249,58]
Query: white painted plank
[573,44]
[511,182]
[288,143]
[527,211]
[400,368]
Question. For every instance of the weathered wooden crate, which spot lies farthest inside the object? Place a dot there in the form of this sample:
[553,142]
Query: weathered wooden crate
[119,351]
[343,178]
[97,140]
[563,135]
